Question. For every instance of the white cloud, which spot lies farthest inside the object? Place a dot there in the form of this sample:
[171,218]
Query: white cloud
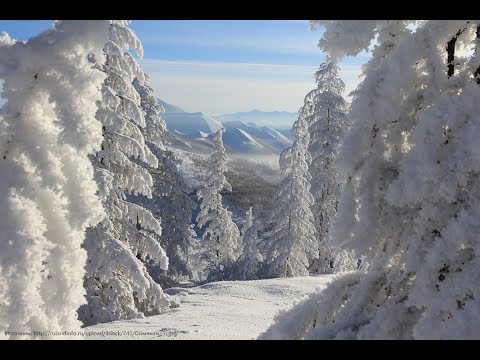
[218,87]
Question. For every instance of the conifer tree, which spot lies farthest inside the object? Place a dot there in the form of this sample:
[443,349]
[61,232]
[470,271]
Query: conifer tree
[327,126]
[221,232]
[291,245]
[117,281]
[248,261]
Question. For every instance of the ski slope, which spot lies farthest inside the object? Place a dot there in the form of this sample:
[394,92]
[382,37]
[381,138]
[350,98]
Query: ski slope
[219,310]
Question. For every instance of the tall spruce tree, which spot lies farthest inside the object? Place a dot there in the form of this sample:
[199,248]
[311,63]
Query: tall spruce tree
[291,245]
[248,261]
[327,126]
[221,233]
[117,281]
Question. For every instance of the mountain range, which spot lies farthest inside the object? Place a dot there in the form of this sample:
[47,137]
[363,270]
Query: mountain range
[193,131]
[273,119]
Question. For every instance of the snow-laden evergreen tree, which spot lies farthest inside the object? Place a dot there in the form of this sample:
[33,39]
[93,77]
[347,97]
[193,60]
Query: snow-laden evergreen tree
[327,125]
[248,261]
[170,202]
[117,282]
[221,233]
[411,202]
[47,190]
[291,245]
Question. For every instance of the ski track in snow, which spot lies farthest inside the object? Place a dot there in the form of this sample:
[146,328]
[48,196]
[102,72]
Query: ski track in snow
[219,310]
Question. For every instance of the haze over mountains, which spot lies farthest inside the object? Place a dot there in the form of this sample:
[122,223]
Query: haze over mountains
[245,133]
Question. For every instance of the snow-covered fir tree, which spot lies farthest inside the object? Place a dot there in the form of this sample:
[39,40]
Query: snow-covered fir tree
[291,246]
[327,124]
[411,203]
[47,191]
[117,282]
[172,204]
[248,261]
[221,233]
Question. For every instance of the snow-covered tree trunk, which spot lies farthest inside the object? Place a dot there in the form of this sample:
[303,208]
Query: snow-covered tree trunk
[291,245]
[118,283]
[47,191]
[413,165]
[221,232]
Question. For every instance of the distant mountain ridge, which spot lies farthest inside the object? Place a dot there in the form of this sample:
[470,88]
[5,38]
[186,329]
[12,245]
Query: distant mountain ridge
[193,131]
[273,119]
[191,124]
[169,108]
[250,138]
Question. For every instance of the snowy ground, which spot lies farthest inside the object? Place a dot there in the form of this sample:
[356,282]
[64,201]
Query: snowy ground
[220,310]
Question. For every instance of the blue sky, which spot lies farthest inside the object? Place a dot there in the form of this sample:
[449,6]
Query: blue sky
[225,66]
